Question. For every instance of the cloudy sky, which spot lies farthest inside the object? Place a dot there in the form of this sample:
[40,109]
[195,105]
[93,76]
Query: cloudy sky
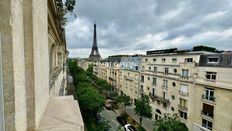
[135,26]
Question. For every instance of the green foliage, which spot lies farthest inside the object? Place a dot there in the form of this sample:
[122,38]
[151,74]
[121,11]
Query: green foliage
[63,9]
[169,123]
[103,125]
[142,108]
[125,115]
[125,100]
[141,129]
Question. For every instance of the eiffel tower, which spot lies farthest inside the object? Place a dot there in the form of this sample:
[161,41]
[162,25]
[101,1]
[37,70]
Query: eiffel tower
[95,55]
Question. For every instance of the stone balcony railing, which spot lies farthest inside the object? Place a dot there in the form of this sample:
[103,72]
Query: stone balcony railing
[57,78]
[183,93]
[183,108]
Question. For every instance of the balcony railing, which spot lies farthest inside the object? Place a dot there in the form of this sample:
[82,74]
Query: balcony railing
[207,114]
[210,80]
[165,87]
[183,93]
[158,98]
[128,78]
[184,77]
[183,108]
[208,98]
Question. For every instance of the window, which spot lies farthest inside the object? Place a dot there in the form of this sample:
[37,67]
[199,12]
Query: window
[183,89]
[149,68]
[153,91]
[174,60]
[173,84]
[213,60]
[141,88]
[148,88]
[142,79]
[183,102]
[146,60]
[209,94]
[154,81]
[207,124]
[142,68]
[136,68]
[164,94]
[155,69]
[154,60]
[165,70]
[148,78]
[175,70]
[185,73]
[207,110]
[188,59]
[172,108]
[173,97]
[183,115]
[211,75]
[165,83]
[163,59]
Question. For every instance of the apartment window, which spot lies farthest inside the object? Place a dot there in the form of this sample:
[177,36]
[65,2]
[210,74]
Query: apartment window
[154,81]
[183,115]
[142,68]
[146,60]
[148,88]
[207,124]
[164,94]
[172,108]
[173,97]
[154,60]
[173,84]
[209,94]
[155,69]
[149,68]
[165,83]
[207,110]
[183,89]
[212,60]
[142,79]
[165,105]
[148,78]
[163,59]
[136,68]
[188,59]
[174,60]
[185,73]
[211,75]
[153,91]
[183,102]
[141,88]
[165,70]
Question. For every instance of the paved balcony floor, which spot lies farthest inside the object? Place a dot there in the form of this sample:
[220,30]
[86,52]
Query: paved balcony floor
[62,114]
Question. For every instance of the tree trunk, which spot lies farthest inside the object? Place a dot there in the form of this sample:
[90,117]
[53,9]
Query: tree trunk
[140,120]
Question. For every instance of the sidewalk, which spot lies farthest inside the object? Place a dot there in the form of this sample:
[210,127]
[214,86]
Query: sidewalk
[146,123]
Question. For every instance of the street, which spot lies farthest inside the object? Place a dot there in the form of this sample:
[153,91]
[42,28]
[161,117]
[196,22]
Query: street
[111,117]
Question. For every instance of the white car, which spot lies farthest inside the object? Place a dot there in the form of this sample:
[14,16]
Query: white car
[129,127]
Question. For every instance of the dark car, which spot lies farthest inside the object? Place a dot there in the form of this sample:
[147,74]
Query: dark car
[121,120]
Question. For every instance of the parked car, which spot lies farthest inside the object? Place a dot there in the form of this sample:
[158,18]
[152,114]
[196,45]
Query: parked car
[129,127]
[121,120]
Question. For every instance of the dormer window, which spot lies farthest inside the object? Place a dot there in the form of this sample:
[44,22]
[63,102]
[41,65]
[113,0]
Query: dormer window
[213,60]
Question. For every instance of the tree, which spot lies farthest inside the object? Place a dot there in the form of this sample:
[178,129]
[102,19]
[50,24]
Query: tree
[125,100]
[103,125]
[142,108]
[91,102]
[169,123]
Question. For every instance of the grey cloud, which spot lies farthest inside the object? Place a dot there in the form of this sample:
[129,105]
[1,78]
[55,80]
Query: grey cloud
[125,25]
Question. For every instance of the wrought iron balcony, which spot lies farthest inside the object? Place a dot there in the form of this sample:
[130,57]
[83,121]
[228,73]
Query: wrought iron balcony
[210,80]
[158,98]
[184,77]
[207,114]
[183,93]
[165,87]
[208,98]
[183,108]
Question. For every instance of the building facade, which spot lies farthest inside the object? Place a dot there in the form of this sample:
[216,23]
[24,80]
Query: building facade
[33,68]
[195,84]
